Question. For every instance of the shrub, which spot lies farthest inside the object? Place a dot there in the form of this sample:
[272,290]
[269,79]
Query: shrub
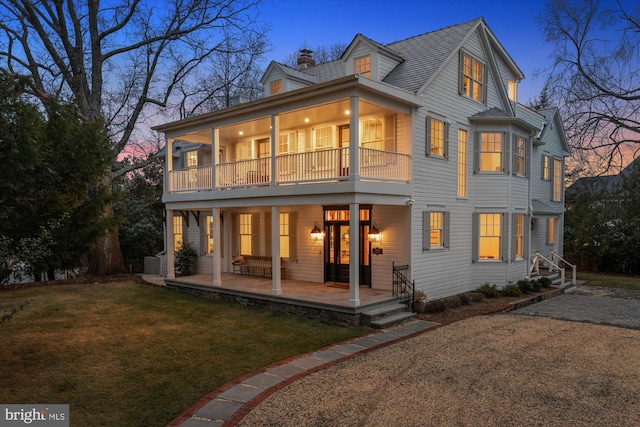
[465,298]
[512,291]
[453,302]
[545,282]
[536,286]
[524,285]
[476,296]
[489,291]
[185,258]
[436,306]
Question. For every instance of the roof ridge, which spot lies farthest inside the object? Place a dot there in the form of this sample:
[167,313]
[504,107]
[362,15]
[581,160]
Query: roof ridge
[435,31]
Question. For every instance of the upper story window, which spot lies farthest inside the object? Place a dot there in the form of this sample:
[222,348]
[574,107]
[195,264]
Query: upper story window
[557,181]
[512,89]
[276,87]
[192,159]
[324,137]
[546,167]
[491,151]
[472,78]
[462,163]
[437,137]
[520,157]
[362,66]
[372,134]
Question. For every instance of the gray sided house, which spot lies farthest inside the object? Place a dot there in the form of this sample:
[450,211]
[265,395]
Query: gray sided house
[407,160]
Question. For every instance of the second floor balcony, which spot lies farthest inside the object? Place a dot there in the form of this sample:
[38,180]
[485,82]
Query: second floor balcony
[298,168]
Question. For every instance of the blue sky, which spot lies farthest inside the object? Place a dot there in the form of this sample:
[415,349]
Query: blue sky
[296,23]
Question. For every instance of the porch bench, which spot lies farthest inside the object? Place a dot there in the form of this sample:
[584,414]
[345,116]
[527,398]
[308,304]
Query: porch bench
[255,265]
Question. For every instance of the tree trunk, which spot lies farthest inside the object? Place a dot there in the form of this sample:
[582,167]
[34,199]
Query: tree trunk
[106,256]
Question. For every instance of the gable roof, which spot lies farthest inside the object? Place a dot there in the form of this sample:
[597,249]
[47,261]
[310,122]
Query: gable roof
[420,57]
[424,54]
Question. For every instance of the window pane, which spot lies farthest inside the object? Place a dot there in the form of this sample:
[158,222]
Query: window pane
[437,137]
[436,230]
[462,163]
[558,180]
[491,152]
[489,236]
[284,235]
[245,234]
[363,66]
[519,236]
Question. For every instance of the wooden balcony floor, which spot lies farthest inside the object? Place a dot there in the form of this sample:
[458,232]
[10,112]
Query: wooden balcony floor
[332,294]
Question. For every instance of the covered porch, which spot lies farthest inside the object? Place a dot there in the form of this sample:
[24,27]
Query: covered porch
[323,301]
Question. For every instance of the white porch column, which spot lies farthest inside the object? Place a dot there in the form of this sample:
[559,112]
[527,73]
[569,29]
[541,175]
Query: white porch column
[215,158]
[354,139]
[275,131]
[168,165]
[275,251]
[354,254]
[217,256]
[171,268]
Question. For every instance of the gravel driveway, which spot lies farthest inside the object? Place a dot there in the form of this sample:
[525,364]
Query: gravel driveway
[494,370]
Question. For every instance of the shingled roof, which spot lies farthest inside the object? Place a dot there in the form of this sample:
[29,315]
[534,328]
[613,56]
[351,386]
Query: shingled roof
[423,55]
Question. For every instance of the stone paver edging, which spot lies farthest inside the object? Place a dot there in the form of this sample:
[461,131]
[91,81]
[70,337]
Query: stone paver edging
[228,404]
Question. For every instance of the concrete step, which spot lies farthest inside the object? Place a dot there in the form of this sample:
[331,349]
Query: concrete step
[384,310]
[392,319]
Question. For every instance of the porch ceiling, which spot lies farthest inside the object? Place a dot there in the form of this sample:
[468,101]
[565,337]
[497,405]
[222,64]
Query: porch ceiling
[331,112]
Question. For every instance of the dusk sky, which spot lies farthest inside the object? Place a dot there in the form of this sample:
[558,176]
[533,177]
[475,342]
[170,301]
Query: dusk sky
[311,23]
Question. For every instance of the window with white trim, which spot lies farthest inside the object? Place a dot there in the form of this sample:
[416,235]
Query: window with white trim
[491,151]
[546,168]
[472,78]
[177,232]
[362,66]
[324,137]
[372,134]
[489,235]
[208,242]
[512,88]
[558,180]
[520,156]
[437,137]
[435,233]
[462,163]
[285,235]
[519,236]
[246,236]
[276,87]
[551,231]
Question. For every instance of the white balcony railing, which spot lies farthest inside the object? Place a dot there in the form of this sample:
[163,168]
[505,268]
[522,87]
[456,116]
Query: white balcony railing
[244,173]
[314,166]
[191,179]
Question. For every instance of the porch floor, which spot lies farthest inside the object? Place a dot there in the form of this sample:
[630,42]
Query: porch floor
[331,294]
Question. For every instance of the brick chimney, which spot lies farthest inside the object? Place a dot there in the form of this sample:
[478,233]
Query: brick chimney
[305,59]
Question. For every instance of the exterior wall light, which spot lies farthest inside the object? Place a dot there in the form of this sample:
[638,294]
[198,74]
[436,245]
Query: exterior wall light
[374,234]
[316,233]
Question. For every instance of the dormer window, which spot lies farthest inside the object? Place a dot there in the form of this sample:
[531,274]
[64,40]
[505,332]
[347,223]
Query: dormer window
[362,66]
[276,87]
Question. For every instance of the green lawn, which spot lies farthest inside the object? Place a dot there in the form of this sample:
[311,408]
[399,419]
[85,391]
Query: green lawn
[125,354]
[610,281]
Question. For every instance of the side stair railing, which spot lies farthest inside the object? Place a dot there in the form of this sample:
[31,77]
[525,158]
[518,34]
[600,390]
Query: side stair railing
[553,266]
[557,259]
[403,288]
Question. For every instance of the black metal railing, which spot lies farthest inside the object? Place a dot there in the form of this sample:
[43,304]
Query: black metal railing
[403,288]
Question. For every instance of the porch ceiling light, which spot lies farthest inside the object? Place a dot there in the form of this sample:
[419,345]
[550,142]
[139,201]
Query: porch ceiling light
[374,234]
[316,233]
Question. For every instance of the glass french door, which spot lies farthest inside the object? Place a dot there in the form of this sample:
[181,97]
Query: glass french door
[337,251]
